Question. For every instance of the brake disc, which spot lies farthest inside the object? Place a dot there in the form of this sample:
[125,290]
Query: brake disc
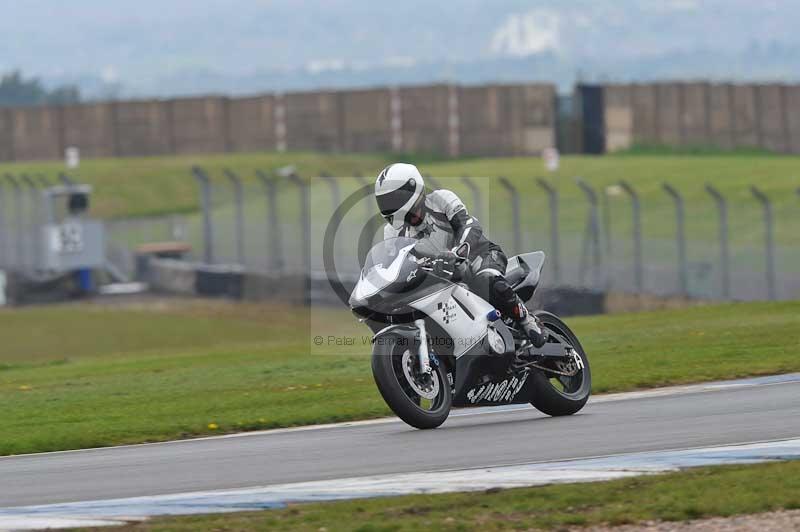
[426,386]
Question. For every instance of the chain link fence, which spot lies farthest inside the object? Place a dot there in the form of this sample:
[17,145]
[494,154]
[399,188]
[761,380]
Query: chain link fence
[623,238]
[648,238]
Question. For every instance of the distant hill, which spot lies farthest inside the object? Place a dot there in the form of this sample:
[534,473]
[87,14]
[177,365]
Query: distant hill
[152,47]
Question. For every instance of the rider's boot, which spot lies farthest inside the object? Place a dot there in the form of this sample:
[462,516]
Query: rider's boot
[529,324]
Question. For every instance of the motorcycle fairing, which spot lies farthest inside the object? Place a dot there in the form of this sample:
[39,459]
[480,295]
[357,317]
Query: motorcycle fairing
[460,313]
[524,272]
[484,381]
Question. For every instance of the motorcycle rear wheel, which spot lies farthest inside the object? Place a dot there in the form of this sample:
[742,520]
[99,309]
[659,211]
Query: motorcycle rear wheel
[403,389]
[557,395]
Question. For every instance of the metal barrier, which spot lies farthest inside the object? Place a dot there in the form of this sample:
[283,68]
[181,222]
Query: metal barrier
[769,240]
[733,246]
[724,248]
[636,210]
[680,236]
[583,249]
[591,239]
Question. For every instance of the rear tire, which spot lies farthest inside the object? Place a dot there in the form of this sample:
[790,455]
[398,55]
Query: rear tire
[398,393]
[546,397]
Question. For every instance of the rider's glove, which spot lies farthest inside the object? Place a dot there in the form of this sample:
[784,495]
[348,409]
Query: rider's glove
[444,265]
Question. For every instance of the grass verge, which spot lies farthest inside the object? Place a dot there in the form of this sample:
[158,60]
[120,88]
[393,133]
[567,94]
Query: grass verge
[78,376]
[686,495]
[155,185]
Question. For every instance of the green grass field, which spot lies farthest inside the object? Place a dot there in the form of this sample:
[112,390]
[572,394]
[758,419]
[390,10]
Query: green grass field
[87,375]
[148,185]
[682,496]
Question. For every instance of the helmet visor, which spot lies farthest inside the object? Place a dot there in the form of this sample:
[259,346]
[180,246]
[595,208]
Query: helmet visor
[390,202]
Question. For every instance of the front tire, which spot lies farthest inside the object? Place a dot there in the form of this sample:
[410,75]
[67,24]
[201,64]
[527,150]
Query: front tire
[557,395]
[402,393]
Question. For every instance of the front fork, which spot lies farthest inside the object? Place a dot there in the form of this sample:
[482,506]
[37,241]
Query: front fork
[424,357]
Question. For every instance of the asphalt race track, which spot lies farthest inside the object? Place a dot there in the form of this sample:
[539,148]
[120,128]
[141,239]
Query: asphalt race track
[680,418]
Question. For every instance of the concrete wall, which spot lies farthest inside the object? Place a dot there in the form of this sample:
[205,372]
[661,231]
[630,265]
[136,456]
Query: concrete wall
[6,135]
[511,119]
[703,114]
[37,133]
[618,117]
[313,121]
[643,108]
[425,115]
[366,120]
[199,125]
[792,101]
[537,115]
[481,130]
[668,114]
[743,113]
[506,119]
[720,103]
[251,124]
[694,119]
[438,119]
[92,128]
[772,123]
[143,128]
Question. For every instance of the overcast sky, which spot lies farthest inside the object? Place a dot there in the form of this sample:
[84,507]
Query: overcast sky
[147,39]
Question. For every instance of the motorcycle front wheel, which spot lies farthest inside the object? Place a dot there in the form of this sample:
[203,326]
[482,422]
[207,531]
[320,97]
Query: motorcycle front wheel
[422,401]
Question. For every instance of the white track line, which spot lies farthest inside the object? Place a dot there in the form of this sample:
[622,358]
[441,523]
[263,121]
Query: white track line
[118,511]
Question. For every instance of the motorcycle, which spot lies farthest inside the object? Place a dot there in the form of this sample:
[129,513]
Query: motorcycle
[438,345]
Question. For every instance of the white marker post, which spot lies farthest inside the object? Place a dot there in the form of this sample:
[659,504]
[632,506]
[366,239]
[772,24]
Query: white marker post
[551,159]
[72,157]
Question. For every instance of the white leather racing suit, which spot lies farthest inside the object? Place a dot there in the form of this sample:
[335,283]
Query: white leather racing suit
[447,223]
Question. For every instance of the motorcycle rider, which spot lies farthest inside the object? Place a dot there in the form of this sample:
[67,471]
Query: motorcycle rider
[442,217]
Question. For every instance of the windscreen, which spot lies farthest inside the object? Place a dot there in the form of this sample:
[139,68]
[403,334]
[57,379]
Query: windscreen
[382,265]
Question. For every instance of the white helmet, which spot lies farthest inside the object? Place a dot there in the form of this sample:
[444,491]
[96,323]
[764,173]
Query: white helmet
[400,192]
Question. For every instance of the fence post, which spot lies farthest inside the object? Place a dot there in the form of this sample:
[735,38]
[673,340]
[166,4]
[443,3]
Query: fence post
[274,229]
[552,199]
[606,210]
[592,235]
[680,214]
[336,197]
[769,239]
[361,180]
[238,198]
[205,204]
[476,196]
[304,220]
[34,251]
[17,217]
[638,256]
[514,213]
[371,227]
[725,258]
[3,228]
[336,201]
